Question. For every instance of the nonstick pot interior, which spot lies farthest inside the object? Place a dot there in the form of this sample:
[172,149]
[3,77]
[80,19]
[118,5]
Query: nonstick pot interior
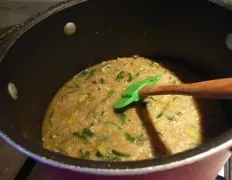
[190,33]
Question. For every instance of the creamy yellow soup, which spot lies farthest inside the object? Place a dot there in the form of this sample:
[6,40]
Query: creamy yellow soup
[81,122]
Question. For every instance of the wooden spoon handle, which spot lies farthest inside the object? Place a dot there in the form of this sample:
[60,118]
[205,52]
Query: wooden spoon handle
[213,89]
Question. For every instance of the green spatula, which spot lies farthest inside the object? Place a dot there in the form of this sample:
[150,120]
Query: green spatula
[131,94]
[212,89]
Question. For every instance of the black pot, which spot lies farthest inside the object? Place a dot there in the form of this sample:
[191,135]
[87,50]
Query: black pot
[38,57]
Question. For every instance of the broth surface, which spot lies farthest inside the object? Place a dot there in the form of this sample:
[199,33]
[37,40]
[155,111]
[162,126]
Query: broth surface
[81,122]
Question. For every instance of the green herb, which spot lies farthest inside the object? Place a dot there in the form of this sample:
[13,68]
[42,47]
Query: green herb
[160,114]
[110,94]
[137,74]
[84,133]
[92,72]
[99,154]
[83,73]
[152,98]
[107,156]
[51,117]
[118,153]
[88,73]
[102,81]
[73,88]
[87,132]
[175,117]
[123,117]
[110,157]
[139,139]
[121,75]
[130,137]
[102,113]
[130,77]
[84,154]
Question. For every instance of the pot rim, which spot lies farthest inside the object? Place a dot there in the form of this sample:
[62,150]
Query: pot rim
[220,143]
[216,145]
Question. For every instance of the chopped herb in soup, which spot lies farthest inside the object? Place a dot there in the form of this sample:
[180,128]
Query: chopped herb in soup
[81,122]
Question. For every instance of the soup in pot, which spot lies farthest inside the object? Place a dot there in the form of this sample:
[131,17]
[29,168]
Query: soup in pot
[80,121]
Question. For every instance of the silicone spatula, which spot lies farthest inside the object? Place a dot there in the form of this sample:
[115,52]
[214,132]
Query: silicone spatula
[131,94]
[212,89]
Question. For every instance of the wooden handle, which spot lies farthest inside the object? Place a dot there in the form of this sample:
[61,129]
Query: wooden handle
[213,89]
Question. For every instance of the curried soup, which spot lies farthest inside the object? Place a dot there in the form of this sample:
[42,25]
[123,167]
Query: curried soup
[81,122]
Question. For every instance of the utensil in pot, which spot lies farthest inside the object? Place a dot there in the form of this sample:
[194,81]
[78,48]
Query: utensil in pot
[212,89]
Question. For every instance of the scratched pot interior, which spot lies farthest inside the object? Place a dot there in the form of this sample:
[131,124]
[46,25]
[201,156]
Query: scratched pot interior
[191,34]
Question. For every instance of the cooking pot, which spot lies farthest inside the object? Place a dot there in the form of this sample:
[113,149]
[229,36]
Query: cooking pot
[37,58]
